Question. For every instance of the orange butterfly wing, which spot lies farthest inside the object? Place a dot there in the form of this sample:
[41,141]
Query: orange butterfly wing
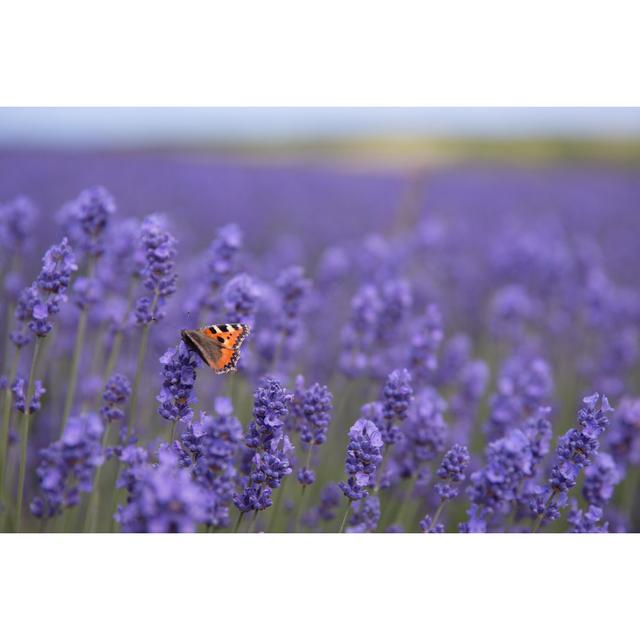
[218,344]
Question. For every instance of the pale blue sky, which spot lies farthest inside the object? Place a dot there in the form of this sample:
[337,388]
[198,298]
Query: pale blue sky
[132,126]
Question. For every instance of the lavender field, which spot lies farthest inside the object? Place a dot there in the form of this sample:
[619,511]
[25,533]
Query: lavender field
[450,349]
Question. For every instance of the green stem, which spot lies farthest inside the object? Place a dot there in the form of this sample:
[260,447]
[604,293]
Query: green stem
[6,417]
[114,354]
[436,516]
[116,345]
[404,505]
[94,500]
[275,509]
[173,431]
[24,434]
[133,405]
[75,362]
[77,353]
[144,338]
[344,517]
[238,522]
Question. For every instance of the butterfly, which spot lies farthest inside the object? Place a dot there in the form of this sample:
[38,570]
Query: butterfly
[218,344]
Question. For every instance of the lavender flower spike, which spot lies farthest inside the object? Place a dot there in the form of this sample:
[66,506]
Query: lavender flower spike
[575,451]
[364,454]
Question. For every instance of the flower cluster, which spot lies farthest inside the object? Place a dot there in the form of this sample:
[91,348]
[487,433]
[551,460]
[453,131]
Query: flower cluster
[41,301]
[359,335]
[577,447]
[524,384]
[157,271]
[364,454]
[494,488]
[271,461]
[397,394]
[425,431]
[586,521]
[115,396]
[19,401]
[17,221]
[600,479]
[293,288]
[270,408]
[316,405]
[162,498]
[365,515]
[67,466]
[240,298]
[221,263]
[425,344]
[89,216]
[575,451]
[451,471]
[211,445]
[177,394]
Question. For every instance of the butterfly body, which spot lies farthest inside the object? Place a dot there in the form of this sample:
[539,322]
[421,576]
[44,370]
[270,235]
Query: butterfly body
[217,344]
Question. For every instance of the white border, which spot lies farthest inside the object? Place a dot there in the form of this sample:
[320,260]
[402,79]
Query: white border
[334,52]
[323,586]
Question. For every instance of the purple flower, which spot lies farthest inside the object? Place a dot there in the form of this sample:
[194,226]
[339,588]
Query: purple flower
[86,292]
[455,355]
[509,460]
[116,394]
[364,454]
[623,437]
[223,255]
[511,309]
[329,501]
[425,343]
[575,451]
[316,405]
[270,408]
[293,288]
[211,446]
[365,515]
[17,389]
[425,431]
[272,465]
[157,271]
[426,526]
[451,471]
[240,298]
[163,499]
[17,222]
[359,335]
[330,498]
[305,476]
[524,385]
[41,301]
[397,395]
[577,447]
[67,466]
[600,479]
[268,468]
[89,216]
[312,409]
[271,461]
[396,300]
[178,380]
[586,521]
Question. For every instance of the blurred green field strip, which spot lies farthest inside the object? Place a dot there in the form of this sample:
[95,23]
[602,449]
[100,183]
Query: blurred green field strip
[410,151]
